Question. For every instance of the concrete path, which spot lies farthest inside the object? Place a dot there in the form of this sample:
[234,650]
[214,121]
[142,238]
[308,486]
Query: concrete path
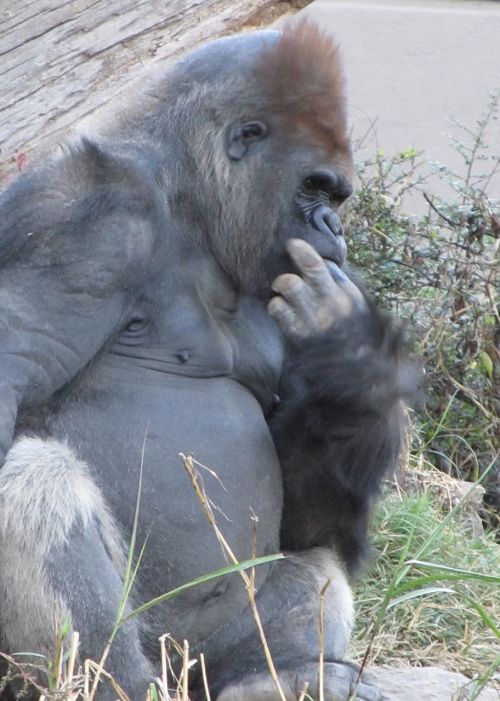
[425,684]
[412,65]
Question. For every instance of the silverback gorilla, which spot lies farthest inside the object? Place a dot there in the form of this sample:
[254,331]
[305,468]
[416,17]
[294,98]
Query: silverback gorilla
[177,287]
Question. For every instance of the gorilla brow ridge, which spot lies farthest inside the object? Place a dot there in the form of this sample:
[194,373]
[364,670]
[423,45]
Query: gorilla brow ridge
[301,74]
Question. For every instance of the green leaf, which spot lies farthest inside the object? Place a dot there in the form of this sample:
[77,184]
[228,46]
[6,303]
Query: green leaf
[486,363]
[65,629]
[245,565]
[427,591]
[465,574]
[485,616]
[408,154]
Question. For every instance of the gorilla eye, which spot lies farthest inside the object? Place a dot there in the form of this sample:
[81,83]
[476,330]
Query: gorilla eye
[240,137]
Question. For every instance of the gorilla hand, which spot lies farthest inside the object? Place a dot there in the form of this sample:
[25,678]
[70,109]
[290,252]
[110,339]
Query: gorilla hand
[316,300]
[340,682]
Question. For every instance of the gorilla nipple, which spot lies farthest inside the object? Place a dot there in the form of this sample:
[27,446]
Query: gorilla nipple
[183,356]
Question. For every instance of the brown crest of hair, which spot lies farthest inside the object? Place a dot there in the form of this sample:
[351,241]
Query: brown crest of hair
[302,78]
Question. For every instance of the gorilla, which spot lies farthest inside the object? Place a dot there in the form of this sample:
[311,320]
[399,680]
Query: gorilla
[176,285]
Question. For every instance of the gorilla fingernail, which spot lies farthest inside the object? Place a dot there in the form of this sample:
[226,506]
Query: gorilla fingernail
[337,272]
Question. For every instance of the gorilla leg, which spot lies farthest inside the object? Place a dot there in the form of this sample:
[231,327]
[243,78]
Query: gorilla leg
[289,606]
[61,560]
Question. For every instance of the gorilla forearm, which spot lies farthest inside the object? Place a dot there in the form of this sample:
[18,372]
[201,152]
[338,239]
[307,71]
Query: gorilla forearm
[338,430]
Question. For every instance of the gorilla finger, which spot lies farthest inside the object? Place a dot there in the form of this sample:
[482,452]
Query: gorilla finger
[296,292]
[346,284]
[367,692]
[311,265]
[284,315]
[261,687]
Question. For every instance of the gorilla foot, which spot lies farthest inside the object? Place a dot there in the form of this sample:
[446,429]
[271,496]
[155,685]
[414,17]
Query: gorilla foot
[339,684]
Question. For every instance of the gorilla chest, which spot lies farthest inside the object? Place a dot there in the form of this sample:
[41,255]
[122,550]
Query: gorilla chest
[202,331]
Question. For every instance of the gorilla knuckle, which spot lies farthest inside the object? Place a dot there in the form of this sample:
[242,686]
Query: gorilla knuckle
[285,281]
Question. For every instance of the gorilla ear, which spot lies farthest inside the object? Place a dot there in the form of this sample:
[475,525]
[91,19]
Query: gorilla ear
[241,135]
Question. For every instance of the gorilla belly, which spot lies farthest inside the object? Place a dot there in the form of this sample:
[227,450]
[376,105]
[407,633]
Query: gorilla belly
[152,419]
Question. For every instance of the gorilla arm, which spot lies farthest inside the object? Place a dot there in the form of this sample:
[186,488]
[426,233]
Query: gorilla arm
[75,236]
[341,423]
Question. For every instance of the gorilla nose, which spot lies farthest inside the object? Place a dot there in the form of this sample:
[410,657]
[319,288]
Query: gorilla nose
[326,219]
[328,222]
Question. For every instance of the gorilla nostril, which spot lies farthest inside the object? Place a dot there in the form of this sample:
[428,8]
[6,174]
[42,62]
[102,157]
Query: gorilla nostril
[334,223]
[346,190]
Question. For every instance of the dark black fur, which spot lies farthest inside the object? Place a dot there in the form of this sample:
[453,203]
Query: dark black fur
[339,430]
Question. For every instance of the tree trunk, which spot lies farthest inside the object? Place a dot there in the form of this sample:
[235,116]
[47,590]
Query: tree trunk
[63,60]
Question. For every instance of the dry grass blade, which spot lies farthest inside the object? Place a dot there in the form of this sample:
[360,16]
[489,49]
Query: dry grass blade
[204,675]
[164,668]
[185,670]
[321,634]
[99,670]
[304,692]
[189,464]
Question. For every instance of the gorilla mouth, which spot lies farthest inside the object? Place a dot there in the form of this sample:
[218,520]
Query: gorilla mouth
[328,222]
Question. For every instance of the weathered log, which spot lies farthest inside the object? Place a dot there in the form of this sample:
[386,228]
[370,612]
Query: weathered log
[62,60]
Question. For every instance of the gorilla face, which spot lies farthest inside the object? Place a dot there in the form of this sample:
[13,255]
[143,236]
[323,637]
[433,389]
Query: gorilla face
[259,124]
[287,162]
[296,191]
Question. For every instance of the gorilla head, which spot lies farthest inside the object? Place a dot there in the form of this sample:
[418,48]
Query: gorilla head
[259,124]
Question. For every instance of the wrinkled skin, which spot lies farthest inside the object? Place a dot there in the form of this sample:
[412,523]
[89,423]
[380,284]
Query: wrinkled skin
[159,295]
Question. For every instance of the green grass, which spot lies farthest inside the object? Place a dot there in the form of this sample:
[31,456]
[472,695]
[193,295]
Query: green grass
[430,615]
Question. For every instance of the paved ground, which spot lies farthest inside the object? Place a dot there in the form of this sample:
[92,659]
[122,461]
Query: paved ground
[411,65]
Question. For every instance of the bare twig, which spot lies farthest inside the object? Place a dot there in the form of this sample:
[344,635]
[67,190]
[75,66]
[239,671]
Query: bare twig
[431,204]
[321,635]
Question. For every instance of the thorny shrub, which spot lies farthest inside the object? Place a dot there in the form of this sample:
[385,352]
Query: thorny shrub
[439,272]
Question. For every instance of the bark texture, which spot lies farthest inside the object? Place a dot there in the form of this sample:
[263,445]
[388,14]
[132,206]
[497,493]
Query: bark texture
[63,60]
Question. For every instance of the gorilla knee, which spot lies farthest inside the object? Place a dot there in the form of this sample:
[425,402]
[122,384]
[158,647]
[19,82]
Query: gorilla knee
[322,570]
[45,492]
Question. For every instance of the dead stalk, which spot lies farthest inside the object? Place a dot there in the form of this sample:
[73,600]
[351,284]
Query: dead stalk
[189,464]
[204,675]
[164,668]
[185,670]
[86,680]
[304,692]
[99,669]
[72,659]
[321,635]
